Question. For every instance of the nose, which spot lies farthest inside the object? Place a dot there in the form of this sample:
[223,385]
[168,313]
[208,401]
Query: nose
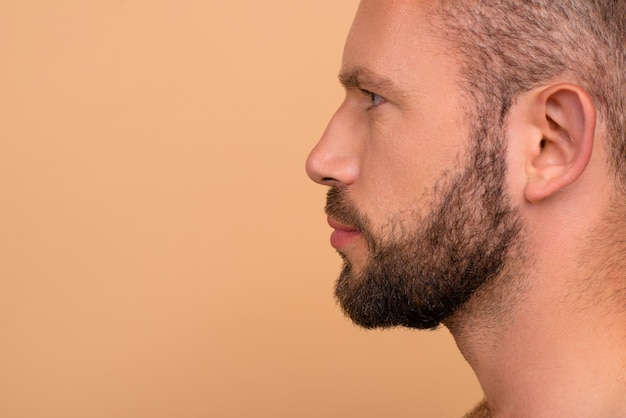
[334,160]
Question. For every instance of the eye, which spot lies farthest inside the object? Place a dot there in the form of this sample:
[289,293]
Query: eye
[374,98]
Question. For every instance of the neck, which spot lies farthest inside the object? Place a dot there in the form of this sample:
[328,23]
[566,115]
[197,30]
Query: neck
[541,351]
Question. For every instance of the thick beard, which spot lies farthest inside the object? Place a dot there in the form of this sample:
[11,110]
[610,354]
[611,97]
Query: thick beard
[417,278]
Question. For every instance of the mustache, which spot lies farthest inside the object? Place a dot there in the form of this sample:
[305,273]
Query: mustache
[341,208]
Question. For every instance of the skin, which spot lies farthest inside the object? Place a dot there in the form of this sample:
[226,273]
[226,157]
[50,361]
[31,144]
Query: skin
[552,342]
[398,142]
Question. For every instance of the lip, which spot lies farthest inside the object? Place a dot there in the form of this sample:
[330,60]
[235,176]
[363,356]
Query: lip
[343,234]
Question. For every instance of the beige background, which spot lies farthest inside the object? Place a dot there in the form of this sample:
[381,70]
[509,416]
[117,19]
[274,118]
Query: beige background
[162,253]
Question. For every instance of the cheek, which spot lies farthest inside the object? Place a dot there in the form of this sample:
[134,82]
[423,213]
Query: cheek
[401,174]
[394,182]
[517,167]
[401,159]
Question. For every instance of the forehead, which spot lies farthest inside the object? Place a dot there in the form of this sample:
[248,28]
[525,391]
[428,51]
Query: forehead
[390,21]
[392,13]
[393,38]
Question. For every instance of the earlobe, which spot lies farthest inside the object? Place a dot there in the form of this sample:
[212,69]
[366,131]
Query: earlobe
[565,117]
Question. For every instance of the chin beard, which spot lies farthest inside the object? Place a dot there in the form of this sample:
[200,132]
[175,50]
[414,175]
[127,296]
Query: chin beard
[424,276]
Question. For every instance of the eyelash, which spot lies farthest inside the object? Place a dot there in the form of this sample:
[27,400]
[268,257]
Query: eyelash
[375,99]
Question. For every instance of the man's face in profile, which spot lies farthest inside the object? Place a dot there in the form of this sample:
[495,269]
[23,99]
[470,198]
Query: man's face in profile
[417,196]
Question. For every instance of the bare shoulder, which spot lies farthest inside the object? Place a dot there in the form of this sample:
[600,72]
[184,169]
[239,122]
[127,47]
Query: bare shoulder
[481,411]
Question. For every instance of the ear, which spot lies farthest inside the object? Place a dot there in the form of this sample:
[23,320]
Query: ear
[565,119]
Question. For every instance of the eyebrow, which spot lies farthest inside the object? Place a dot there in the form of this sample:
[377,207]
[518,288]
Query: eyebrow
[363,78]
